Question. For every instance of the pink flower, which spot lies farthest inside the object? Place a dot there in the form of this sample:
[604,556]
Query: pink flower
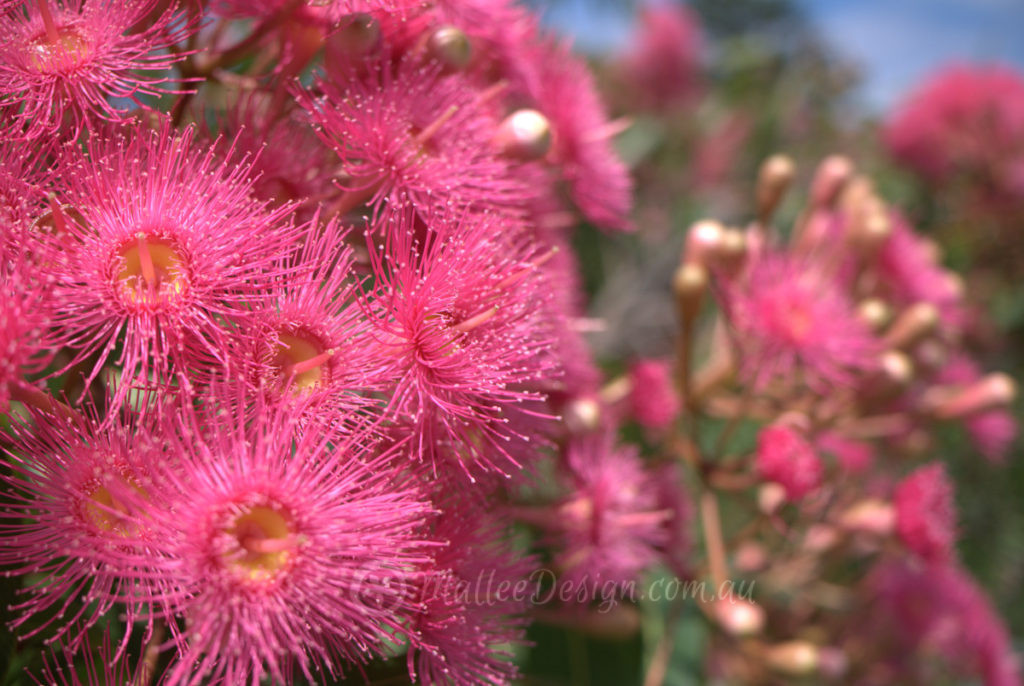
[166,240]
[854,457]
[965,119]
[653,397]
[475,598]
[785,457]
[939,612]
[406,133]
[611,525]
[59,668]
[65,519]
[925,517]
[563,89]
[21,182]
[62,64]
[910,274]
[458,318]
[285,550]
[792,321]
[25,345]
[662,63]
[307,339]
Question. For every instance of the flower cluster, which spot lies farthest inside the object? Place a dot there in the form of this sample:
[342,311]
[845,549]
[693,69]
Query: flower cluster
[275,350]
[294,386]
[841,345]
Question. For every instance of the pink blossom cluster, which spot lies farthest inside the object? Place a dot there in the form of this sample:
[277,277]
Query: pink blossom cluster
[964,124]
[840,344]
[287,318]
[292,355]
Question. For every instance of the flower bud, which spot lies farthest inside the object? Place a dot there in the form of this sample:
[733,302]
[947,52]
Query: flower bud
[703,242]
[829,179]
[749,557]
[355,36]
[525,134]
[875,313]
[689,283]
[451,48]
[732,251]
[820,538]
[871,226]
[582,415]
[912,325]
[738,617]
[773,180]
[770,497]
[989,392]
[870,516]
[793,658]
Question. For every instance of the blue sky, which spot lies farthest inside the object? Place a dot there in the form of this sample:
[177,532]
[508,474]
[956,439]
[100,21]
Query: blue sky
[896,42]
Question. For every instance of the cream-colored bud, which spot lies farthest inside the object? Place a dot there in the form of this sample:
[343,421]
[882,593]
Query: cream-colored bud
[773,180]
[525,134]
[793,658]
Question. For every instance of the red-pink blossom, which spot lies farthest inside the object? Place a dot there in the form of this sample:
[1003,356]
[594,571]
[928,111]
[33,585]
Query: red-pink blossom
[964,119]
[653,398]
[925,514]
[407,133]
[785,457]
[662,62]
[940,613]
[284,550]
[474,597]
[65,518]
[461,336]
[563,89]
[611,524]
[165,240]
[909,273]
[64,63]
[793,321]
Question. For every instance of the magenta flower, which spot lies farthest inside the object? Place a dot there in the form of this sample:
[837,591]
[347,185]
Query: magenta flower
[25,345]
[653,398]
[792,321]
[307,338]
[939,612]
[563,89]
[785,457]
[67,496]
[910,273]
[21,182]
[167,239]
[461,334]
[62,63]
[662,64]
[611,525]
[474,602]
[60,668]
[282,550]
[925,516]
[406,133]
[964,119]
